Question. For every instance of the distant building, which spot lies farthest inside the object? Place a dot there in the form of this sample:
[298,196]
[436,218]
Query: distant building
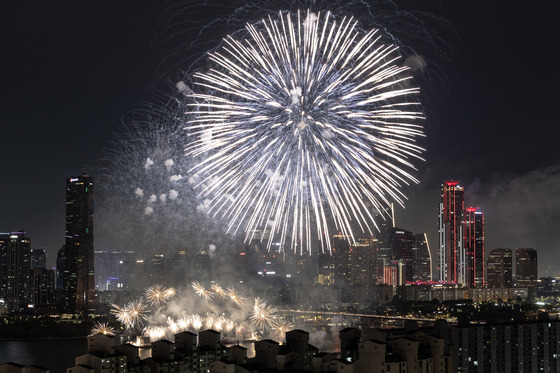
[383,235]
[78,295]
[499,269]
[402,244]
[451,254]
[115,270]
[38,258]
[548,286]
[363,268]
[422,263]
[15,268]
[473,243]
[526,270]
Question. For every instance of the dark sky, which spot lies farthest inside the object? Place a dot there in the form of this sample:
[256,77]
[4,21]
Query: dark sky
[73,71]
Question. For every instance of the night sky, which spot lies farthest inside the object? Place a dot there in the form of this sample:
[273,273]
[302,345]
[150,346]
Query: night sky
[74,72]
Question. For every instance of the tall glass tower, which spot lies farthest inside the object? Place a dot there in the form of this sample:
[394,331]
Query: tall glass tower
[78,295]
[451,253]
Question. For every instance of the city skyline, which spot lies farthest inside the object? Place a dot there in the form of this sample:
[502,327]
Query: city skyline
[67,92]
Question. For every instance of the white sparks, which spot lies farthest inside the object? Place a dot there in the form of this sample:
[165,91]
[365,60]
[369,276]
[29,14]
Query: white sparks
[317,103]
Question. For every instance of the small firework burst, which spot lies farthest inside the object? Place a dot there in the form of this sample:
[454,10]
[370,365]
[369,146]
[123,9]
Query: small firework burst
[234,296]
[169,293]
[263,317]
[122,314]
[137,312]
[102,328]
[155,295]
[281,327]
[219,291]
[206,294]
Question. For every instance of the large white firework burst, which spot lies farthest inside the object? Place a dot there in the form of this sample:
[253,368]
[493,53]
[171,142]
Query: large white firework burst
[305,121]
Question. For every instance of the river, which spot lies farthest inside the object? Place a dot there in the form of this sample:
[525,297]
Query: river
[54,354]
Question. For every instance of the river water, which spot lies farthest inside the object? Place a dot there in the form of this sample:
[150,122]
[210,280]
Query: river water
[54,354]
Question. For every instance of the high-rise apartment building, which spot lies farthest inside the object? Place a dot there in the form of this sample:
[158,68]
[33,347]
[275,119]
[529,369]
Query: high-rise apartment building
[529,346]
[499,269]
[526,270]
[473,246]
[15,268]
[78,295]
[451,253]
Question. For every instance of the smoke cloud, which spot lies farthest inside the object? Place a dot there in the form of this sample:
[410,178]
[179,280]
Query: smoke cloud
[148,163]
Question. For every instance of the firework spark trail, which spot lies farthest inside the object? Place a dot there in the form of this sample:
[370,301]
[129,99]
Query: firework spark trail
[308,119]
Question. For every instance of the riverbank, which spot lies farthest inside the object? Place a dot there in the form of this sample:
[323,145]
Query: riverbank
[30,328]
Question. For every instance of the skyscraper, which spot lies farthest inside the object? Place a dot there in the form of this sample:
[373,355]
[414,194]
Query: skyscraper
[526,271]
[499,269]
[451,253]
[78,274]
[15,267]
[473,244]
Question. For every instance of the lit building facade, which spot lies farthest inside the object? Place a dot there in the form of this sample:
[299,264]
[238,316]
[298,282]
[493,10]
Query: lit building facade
[499,269]
[473,243]
[394,273]
[451,253]
[78,295]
